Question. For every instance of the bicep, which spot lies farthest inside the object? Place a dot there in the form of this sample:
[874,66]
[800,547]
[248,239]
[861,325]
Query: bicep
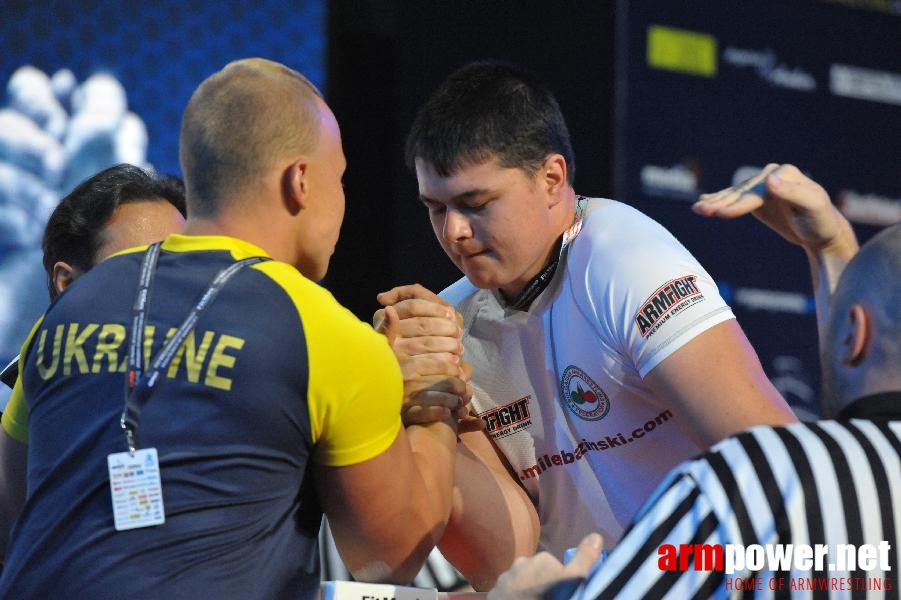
[368,508]
[716,380]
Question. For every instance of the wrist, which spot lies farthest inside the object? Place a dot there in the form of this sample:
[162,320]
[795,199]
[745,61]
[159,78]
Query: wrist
[842,246]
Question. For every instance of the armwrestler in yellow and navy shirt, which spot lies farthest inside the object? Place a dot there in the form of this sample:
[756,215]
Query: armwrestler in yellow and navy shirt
[280,405]
[275,375]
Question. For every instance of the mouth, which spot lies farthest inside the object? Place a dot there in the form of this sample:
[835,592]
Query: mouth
[471,255]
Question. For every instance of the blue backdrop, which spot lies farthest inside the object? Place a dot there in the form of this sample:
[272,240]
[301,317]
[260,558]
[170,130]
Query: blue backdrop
[708,93]
[159,51]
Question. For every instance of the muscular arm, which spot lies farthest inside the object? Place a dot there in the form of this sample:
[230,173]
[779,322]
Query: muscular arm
[388,509]
[492,521]
[387,513]
[717,382]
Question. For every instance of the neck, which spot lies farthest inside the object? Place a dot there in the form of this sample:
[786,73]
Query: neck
[886,405]
[568,206]
[257,231]
[563,216]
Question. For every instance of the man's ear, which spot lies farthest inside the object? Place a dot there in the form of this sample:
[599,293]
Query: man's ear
[63,275]
[553,176]
[296,186]
[857,342]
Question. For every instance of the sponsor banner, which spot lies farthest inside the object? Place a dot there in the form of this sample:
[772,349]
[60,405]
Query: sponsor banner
[767,66]
[774,300]
[689,52]
[707,95]
[865,84]
[869,209]
[677,182]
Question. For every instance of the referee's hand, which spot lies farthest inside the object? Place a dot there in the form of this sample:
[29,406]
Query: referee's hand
[534,577]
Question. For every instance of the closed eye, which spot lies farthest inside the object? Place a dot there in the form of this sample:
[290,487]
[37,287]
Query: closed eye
[473,207]
[434,207]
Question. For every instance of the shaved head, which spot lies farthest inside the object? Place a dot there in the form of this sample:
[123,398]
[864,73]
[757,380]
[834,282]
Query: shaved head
[240,122]
[871,280]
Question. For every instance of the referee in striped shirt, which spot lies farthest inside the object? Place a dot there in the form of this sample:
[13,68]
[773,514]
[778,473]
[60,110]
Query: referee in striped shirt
[830,489]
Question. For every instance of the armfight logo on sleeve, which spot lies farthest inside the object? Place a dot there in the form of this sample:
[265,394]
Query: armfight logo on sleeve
[669,299]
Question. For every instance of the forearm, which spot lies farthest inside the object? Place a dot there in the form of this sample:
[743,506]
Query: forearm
[434,453]
[388,513]
[481,543]
[419,524]
[826,266]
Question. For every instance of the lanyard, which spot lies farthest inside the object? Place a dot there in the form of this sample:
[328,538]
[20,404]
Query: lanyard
[541,281]
[140,387]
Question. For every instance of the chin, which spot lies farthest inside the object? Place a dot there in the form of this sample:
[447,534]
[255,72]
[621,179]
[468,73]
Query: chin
[481,279]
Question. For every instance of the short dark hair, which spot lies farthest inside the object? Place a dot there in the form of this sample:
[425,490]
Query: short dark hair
[73,232]
[489,109]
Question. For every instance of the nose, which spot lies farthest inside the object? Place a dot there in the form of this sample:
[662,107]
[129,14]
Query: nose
[456,226]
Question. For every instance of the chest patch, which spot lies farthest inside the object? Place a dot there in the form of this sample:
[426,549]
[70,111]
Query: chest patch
[508,419]
[582,396]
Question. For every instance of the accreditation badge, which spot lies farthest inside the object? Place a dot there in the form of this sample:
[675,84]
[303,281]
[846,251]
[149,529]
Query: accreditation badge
[136,489]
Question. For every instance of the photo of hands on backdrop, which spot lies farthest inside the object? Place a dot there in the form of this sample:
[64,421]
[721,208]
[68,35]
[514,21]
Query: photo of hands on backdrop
[54,132]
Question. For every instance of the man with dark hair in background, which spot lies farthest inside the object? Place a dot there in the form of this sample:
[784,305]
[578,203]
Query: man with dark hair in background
[250,399]
[600,347]
[828,485]
[118,208]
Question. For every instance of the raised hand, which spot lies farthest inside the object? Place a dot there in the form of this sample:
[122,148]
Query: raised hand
[798,209]
[787,201]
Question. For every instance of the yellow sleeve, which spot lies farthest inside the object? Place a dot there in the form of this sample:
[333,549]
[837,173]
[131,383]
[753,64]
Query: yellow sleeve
[15,417]
[355,387]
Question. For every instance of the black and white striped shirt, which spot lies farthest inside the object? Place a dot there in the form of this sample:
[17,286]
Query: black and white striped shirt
[830,482]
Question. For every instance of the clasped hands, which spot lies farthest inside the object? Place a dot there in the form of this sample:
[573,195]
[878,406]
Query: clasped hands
[426,334]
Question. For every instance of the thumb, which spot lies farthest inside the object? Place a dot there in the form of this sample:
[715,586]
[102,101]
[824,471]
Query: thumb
[389,324]
[587,553]
[378,320]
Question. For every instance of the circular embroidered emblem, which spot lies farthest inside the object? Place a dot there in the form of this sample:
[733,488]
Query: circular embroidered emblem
[583,396]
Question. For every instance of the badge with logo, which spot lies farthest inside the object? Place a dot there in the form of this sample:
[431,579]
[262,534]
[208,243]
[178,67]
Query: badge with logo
[583,396]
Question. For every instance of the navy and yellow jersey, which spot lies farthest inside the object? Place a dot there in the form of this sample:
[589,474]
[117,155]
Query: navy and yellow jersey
[275,376]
